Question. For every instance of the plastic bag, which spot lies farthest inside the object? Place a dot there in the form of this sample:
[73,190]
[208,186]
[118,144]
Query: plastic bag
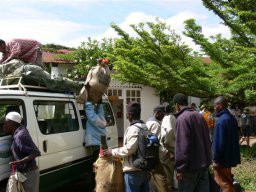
[15,182]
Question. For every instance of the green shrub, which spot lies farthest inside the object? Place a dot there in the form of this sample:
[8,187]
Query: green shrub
[245,173]
[248,153]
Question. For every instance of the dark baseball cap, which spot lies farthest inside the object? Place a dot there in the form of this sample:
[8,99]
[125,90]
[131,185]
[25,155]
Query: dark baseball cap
[133,107]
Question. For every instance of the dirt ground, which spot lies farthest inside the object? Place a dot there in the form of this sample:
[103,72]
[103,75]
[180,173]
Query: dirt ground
[252,141]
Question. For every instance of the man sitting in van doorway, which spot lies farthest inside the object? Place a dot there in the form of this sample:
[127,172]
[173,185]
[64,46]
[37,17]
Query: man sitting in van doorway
[24,151]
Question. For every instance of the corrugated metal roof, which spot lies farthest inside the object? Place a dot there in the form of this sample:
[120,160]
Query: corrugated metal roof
[49,57]
[206,59]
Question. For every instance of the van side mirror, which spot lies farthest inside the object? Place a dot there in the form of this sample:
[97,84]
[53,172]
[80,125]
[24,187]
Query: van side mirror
[83,118]
[109,120]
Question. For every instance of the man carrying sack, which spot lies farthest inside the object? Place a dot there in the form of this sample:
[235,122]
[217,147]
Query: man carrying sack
[136,180]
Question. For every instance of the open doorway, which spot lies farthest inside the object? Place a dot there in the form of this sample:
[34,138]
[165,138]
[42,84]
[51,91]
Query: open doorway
[118,109]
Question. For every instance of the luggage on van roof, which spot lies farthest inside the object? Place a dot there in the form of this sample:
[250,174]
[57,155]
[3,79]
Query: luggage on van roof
[36,77]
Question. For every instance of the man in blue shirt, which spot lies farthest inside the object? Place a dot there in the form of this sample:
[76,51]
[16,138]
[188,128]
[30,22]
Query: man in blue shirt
[95,126]
[226,151]
[24,151]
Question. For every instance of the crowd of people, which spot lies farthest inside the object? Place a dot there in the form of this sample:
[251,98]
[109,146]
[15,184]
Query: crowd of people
[188,147]
[245,117]
[185,146]
[191,139]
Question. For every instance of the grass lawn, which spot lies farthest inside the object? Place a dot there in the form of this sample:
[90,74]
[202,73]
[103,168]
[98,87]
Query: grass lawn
[246,172]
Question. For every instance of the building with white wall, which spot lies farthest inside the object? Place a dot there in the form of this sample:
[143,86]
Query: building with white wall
[121,94]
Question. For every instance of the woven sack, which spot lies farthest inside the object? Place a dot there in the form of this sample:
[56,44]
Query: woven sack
[83,95]
[109,175]
[98,79]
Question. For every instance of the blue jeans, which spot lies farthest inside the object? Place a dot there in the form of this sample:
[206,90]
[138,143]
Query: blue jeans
[195,181]
[136,181]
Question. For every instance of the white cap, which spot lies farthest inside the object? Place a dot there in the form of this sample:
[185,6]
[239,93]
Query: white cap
[14,116]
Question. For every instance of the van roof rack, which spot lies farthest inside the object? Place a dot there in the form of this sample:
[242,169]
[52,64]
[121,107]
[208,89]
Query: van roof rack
[17,82]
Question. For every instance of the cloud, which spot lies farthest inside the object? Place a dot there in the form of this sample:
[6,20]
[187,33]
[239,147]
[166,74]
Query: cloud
[46,31]
[66,22]
[210,30]
[133,18]
[176,22]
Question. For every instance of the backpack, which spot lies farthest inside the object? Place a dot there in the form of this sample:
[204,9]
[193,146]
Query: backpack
[147,154]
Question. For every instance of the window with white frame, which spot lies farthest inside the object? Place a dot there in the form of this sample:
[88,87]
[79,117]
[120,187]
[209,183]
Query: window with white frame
[115,92]
[133,95]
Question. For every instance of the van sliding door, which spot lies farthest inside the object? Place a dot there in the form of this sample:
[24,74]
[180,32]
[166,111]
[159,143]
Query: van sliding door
[60,136]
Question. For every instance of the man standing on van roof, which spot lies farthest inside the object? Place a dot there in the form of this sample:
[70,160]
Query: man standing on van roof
[27,50]
[193,147]
[24,151]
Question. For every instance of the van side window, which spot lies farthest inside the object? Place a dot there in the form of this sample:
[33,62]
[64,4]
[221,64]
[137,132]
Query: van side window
[56,116]
[7,106]
[108,114]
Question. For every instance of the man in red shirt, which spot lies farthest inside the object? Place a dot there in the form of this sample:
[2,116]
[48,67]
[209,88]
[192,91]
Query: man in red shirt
[27,50]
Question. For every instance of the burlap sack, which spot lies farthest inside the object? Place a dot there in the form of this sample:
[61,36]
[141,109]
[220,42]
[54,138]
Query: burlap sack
[83,95]
[93,95]
[109,175]
[99,79]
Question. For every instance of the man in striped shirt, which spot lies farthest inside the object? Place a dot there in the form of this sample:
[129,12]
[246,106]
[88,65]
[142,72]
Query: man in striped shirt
[27,50]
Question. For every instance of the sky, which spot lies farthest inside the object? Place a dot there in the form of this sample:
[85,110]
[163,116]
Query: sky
[70,22]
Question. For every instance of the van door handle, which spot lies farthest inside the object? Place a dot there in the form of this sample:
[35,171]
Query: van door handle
[45,146]
[108,138]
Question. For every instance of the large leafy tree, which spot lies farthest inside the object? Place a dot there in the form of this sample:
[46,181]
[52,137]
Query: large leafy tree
[157,57]
[234,58]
